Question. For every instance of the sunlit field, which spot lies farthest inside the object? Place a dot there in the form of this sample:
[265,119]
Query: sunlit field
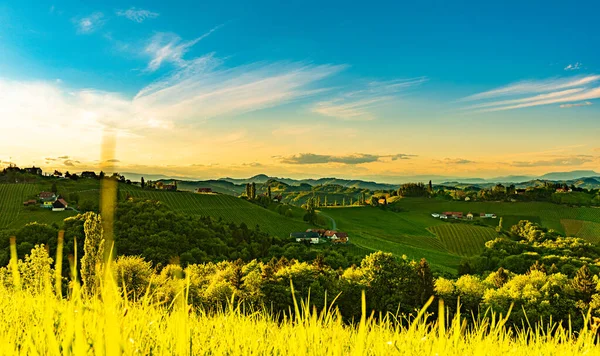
[38,321]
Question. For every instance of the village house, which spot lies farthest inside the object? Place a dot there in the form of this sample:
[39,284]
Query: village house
[88,174]
[47,196]
[564,190]
[435,215]
[311,237]
[172,187]
[204,190]
[278,198]
[487,216]
[469,216]
[382,201]
[321,232]
[59,205]
[30,202]
[454,214]
[339,237]
[34,170]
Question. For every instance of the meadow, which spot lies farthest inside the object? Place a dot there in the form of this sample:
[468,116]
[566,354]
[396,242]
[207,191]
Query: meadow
[415,233]
[44,324]
[231,209]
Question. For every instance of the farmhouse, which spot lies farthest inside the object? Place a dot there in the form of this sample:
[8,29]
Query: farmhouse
[34,170]
[321,232]
[311,237]
[329,233]
[171,187]
[47,196]
[30,202]
[204,190]
[339,237]
[564,190]
[382,201]
[59,205]
[487,216]
[88,174]
[469,216]
[435,215]
[454,214]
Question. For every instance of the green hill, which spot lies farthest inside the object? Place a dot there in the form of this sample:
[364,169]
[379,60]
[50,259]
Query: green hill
[415,233]
[13,214]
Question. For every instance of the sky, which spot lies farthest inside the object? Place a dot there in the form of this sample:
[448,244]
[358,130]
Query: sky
[376,90]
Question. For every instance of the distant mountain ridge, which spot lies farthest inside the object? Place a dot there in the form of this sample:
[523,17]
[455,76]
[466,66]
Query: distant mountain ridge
[230,185]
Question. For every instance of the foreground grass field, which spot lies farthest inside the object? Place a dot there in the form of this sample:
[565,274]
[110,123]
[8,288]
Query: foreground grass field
[46,325]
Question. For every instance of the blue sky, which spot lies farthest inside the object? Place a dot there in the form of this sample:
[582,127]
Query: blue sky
[270,85]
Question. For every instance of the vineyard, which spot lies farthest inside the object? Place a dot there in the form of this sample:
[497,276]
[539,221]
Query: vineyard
[463,239]
[226,207]
[586,230]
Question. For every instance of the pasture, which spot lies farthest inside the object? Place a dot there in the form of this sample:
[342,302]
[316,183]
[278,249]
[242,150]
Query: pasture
[414,233]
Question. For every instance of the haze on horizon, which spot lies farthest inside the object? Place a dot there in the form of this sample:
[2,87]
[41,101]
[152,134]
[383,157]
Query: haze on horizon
[301,90]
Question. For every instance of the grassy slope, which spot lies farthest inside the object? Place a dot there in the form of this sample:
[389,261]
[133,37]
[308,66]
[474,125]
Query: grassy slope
[229,208]
[399,233]
[223,206]
[410,232]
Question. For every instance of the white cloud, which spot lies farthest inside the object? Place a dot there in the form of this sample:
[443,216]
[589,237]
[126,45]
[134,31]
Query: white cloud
[137,15]
[360,104]
[575,66]
[89,24]
[534,87]
[553,91]
[168,47]
[567,106]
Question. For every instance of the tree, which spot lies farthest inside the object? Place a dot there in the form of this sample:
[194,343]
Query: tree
[500,277]
[499,227]
[430,187]
[101,175]
[425,284]
[269,192]
[143,183]
[253,191]
[93,253]
[583,284]
[54,188]
[374,200]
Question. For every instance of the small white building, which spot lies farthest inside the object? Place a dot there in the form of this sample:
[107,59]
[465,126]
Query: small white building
[444,216]
[435,215]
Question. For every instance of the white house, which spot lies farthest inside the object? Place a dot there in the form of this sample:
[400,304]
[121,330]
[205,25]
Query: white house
[443,216]
[435,215]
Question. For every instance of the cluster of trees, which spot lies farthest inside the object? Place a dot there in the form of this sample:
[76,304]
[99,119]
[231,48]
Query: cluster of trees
[415,190]
[529,244]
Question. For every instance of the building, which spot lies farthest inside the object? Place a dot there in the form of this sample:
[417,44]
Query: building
[59,205]
[467,199]
[172,187]
[339,237]
[47,196]
[382,201]
[278,198]
[204,190]
[487,216]
[469,216]
[34,170]
[30,202]
[454,214]
[321,232]
[443,216]
[329,233]
[311,237]
[89,174]
[435,215]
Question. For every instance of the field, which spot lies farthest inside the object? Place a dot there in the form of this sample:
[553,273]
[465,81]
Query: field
[42,324]
[586,230]
[226,207]
[464,239]
[414,233]
[229,208]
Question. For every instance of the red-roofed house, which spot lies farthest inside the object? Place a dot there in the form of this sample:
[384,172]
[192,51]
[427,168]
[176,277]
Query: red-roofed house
[59,205]
[339,237]
[329,233]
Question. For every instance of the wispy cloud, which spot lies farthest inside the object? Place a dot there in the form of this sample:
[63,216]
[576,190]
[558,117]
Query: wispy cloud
[353,159]
[89,24]
[170,48]
[359,105]
[553,91]
[575,66]
[567,106]
[137,15]
[452,161]
[574,160]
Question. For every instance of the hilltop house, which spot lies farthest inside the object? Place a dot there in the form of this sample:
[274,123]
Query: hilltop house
[34,170]
[171,187]
[88,174]
[311,237]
